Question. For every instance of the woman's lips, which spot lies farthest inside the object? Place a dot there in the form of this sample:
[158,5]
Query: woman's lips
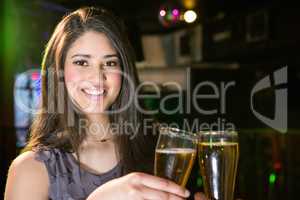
[94,94]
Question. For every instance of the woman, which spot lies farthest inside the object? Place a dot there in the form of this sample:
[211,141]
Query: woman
[88,81]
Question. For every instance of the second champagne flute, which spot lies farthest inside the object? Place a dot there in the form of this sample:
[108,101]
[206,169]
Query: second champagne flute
[218,153]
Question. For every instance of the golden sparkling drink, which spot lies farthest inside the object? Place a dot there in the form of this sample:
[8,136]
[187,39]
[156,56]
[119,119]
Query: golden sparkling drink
[218,165]
[174,164]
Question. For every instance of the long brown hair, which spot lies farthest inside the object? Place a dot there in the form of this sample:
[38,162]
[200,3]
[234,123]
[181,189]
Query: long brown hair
[51,127]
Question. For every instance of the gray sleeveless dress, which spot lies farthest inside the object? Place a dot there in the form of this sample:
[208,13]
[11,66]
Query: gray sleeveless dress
[67,180]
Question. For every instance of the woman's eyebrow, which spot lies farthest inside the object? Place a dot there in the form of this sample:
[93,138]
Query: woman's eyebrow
[111,55]
[81,55]
[89,56]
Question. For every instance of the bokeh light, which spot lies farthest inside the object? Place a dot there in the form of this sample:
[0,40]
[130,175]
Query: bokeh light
[190,16]
[162,13]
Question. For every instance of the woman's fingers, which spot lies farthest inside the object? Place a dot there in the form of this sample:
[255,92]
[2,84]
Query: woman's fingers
[160,184]
[153,194]
[199,196]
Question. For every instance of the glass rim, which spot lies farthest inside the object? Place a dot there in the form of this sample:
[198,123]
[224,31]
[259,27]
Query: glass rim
[216,133]
[177,132]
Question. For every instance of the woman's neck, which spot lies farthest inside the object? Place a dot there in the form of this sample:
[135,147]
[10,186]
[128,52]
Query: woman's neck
[98,128]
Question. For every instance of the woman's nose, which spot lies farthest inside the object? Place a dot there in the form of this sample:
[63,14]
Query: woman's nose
[97,76]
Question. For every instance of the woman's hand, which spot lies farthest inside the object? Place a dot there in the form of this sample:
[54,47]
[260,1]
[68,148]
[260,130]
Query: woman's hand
[139,186]
[199,196]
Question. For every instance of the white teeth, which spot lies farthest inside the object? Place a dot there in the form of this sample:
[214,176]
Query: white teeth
[94,91]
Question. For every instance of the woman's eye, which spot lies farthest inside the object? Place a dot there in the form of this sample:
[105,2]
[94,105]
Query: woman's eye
[80,63]
[112,63]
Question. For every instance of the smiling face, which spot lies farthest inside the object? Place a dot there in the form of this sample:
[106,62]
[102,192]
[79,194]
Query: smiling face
[92,73]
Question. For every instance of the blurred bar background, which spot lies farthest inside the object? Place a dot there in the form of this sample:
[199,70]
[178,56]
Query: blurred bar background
[239,41]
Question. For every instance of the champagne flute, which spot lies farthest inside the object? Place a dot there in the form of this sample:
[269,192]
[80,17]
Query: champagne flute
[218,153]
[175,154]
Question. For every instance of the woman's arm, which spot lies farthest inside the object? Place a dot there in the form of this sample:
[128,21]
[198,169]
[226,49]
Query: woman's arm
[27,179]
[139,186]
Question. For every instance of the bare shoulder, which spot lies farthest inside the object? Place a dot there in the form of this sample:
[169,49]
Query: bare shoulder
[27,159]
[27,178]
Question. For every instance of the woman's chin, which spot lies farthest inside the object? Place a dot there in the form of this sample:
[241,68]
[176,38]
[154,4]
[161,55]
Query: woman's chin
[94,107]
[96,110]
